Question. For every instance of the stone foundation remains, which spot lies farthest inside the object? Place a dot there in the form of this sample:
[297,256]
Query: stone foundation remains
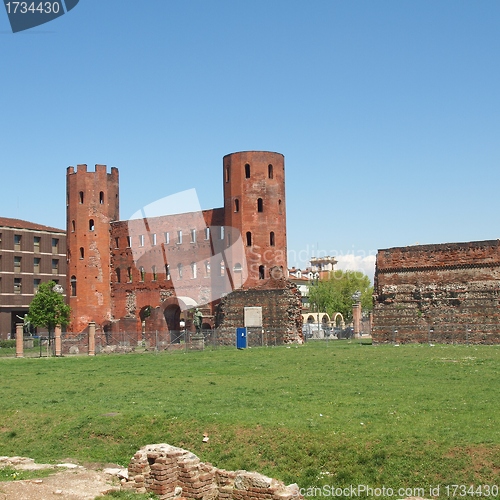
[171,472]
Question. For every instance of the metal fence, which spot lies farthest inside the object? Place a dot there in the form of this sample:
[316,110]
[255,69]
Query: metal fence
[441,333]
[171,341]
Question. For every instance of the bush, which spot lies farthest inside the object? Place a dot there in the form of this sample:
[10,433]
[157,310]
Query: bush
[5,344]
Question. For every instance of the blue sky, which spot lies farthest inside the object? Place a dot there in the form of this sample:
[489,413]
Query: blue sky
[387,112]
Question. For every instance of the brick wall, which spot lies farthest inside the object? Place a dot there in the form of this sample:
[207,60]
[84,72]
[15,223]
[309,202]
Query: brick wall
[281,310]
[172,472]
[442,293]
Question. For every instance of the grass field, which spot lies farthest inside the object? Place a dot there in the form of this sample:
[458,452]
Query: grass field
[408,416]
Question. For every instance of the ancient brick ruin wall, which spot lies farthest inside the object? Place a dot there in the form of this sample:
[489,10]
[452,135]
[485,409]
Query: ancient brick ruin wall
[438,293]
[172,472]
[281,311]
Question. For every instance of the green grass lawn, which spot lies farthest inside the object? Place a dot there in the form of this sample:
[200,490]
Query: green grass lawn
[341,414]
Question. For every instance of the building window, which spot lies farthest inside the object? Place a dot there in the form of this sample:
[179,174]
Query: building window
[261,272]
[36,265]
[129,272]
[80,195]
[129,241]
[193,235]
[221,235]
[271,238]
[167,238]
[270,171]
[260,205]
[237,268]
[247,171]
[55,266]
[155,274]
[143,273]
[73,226]
[18,285]
[101,198]
[17,264]
[179,237]
[118,275]
[279,206]
[193,270]
[55,245]
[82,253]
[36,243]
[17,242]
[229,239]
[91,225]
[0,240]
[36,284]
[228,173]
[236,205]
[179,271]
[73,286]
[207,269]
[222,269]
[153,239]
[167,272]
[207,233]
[117,242]
[249,239]
[141,240]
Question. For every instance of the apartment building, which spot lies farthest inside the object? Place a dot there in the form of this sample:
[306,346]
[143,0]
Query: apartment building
[30,254]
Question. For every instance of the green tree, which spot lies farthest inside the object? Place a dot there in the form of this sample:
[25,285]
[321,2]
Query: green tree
[335,294]
[48,309]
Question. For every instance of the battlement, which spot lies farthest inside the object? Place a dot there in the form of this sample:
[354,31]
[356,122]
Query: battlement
[99,169]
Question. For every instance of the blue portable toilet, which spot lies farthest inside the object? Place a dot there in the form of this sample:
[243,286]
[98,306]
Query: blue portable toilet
[241,338]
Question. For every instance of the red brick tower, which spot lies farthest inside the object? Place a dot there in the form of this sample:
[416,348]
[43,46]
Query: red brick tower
[254,203]
[92,203]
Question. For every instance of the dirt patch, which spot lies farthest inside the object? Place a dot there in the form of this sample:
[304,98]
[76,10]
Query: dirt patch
[72,482]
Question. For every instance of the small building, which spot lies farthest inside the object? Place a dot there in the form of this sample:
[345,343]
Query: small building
[30,254]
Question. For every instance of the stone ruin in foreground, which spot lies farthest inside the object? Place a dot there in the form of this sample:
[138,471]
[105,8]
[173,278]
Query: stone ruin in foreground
[171,472]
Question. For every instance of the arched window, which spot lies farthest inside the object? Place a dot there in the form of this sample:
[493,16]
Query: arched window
[260,205]
[271,238]
[82,253]
[155,274]
[143,273]
[129,272]
[101,198]
[247,171]
[179,270]
[270,171]
[228,174]
[222,268]
[237,268]
[236,205]
[261,272]
[193,270]
[91,225]
[118,275]
[80,196]
[249,239]
[279,206]
[73,226]
[167,272]
[73,286]
[207,269]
